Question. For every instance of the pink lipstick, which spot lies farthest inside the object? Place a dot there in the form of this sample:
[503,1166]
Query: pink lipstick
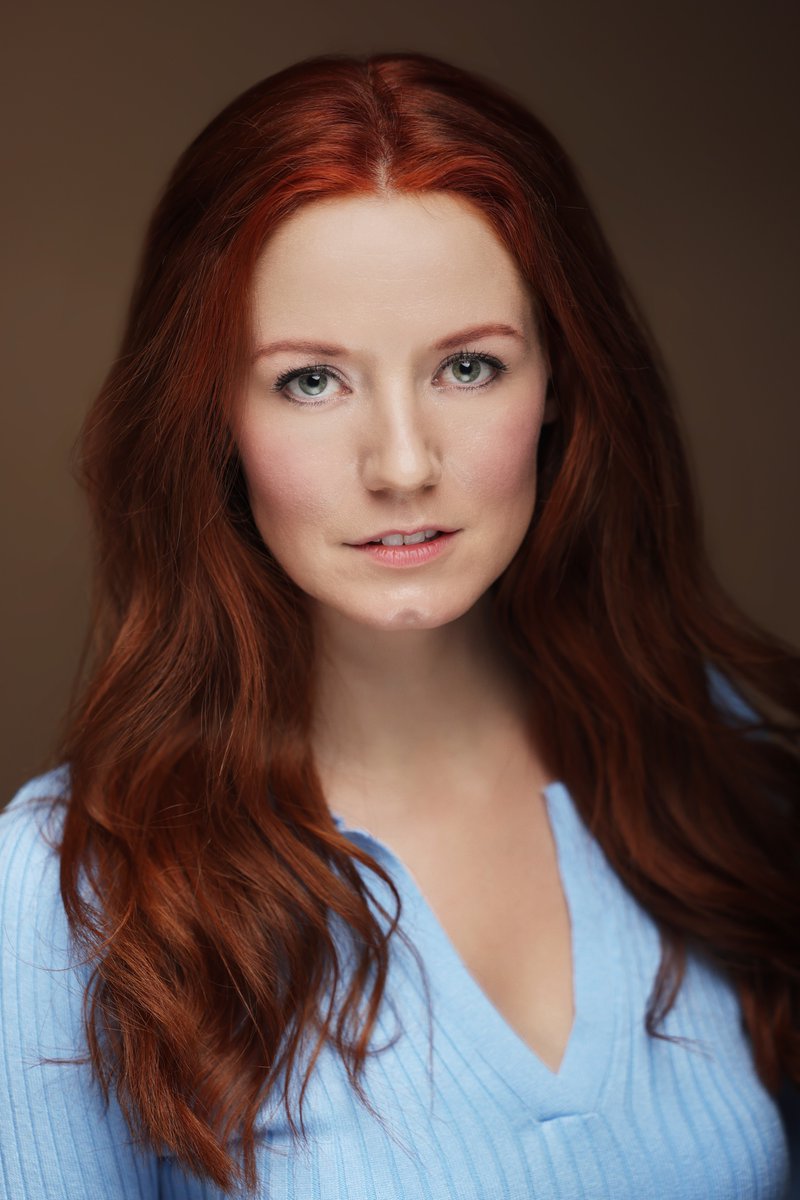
[408,556]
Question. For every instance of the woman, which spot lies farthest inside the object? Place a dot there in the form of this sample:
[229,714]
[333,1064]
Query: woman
[458,867]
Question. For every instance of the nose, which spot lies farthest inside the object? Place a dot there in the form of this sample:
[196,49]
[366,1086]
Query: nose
[400,447]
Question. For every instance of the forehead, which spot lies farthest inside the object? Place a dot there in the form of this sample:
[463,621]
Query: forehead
[415,258]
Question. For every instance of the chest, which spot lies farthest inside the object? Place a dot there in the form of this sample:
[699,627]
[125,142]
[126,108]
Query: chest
[495,888]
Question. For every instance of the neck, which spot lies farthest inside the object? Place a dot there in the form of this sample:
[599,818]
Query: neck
[412,714]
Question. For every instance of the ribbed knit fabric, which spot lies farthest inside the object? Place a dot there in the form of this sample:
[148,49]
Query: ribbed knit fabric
[625,1118]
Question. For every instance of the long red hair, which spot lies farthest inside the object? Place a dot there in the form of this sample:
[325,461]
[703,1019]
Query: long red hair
[195,811]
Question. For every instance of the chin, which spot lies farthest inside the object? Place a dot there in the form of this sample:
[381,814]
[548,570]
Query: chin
[388,613]
[412,616]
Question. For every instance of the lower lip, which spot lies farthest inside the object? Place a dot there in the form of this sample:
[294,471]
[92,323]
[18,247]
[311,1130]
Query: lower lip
[408,556]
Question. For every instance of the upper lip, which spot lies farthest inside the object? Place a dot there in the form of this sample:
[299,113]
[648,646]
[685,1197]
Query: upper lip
[376,537]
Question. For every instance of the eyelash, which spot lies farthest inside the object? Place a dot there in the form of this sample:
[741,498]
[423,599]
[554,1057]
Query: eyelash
[320,368]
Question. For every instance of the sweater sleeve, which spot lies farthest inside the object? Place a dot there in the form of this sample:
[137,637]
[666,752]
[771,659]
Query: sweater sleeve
[57,1139]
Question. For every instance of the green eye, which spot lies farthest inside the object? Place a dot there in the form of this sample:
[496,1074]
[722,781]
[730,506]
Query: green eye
[470,366]
[318,373]
[466,366]
[315,388]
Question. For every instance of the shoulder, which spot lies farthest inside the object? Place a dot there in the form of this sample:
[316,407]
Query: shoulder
[30,825]
[29,866]
[37,792]
[29,812]
[57,1135]
[35,960]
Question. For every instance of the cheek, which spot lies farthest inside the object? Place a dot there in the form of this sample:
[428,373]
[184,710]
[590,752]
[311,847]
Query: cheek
[288,481]
[501,464]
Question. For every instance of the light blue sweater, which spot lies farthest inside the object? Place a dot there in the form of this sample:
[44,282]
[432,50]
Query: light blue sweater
[625,1118]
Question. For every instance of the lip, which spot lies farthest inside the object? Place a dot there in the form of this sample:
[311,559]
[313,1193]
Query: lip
[375,537]
[408,556]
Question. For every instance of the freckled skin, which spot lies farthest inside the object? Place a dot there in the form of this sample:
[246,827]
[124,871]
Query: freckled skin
[399,441]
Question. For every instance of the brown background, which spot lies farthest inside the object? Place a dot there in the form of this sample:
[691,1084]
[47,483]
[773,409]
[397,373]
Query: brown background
[682,118]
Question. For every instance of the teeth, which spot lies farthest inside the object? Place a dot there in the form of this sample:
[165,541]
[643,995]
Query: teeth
[411,539]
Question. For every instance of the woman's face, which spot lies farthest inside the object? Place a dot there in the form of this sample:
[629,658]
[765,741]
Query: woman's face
[363,300]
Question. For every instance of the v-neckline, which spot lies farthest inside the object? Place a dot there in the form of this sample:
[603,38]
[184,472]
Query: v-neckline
[587,1057]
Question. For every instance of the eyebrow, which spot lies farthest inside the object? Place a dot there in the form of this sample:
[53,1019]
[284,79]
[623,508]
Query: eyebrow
[452,341]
